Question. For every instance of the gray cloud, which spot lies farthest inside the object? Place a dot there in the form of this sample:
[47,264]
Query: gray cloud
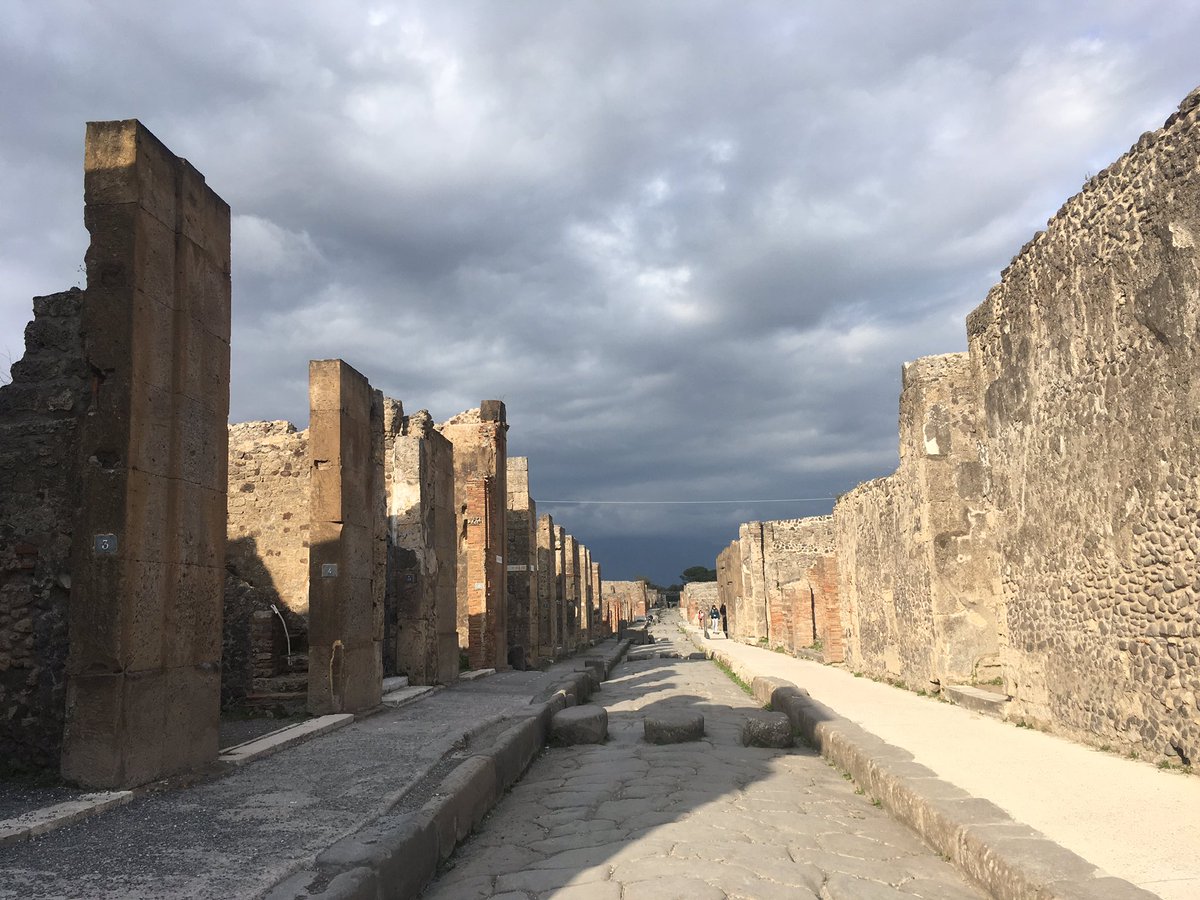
[688,243]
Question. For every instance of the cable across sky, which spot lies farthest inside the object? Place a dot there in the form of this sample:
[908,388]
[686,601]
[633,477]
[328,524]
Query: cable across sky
[683,502]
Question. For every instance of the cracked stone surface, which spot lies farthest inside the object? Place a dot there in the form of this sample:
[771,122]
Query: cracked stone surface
[706,819]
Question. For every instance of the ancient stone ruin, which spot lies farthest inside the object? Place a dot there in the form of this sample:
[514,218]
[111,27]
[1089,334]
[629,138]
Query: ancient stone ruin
[778,583]
[157,562]
[112,503]
[1040,534]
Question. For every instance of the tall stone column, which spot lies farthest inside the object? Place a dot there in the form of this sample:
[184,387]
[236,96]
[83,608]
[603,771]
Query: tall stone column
[423,552]
[347,555]
[480,452]
[147,571]
[547,572]
[571,591]
[522,565]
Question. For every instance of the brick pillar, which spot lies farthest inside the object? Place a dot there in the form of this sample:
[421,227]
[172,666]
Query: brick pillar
[143,674]
[348,543]
[561,608]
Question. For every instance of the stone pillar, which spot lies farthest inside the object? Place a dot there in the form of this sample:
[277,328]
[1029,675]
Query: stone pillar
[562,610]
[348,550]
[147,571]
[423,552]
[571,591]
[585,593]
[598,595]
[480,452]
[549,620]
[522,566]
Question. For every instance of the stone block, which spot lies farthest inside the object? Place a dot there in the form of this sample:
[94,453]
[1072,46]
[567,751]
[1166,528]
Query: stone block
[673,727]
[767,729]
[579,725]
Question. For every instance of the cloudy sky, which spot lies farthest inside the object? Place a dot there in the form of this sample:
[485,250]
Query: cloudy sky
[688,243]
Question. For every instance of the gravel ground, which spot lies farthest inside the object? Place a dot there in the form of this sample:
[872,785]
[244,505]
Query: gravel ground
[238,731]
[237,835]
[21,795]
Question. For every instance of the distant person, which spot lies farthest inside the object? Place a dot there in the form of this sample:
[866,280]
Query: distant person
[724,620]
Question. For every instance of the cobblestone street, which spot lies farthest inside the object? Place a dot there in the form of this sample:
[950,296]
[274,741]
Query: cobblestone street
[707,819]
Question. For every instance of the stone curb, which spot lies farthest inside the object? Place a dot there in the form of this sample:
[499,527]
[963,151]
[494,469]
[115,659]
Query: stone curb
[40,821]
[1009,860]
[395,861]
[248,751]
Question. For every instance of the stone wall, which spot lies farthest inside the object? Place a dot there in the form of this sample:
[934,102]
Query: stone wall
[1085,357]
[917,549]
[267,528]
[39,413]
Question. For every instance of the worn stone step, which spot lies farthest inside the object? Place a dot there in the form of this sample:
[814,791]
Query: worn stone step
[977,699]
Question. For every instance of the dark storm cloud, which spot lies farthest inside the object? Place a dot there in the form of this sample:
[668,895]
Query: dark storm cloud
[688,243]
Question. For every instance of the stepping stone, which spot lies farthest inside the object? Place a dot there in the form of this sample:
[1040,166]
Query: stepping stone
[579,725]
[673,727]
[767,729]
[596,665]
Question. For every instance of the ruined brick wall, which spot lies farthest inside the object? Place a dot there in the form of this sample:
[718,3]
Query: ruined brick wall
[39,413]
[627,598]
[267,529]
[548,598]
[1086,355]
[480,451]
[521,564]
[790,548]
[917,549]
[422,553]
[822,575]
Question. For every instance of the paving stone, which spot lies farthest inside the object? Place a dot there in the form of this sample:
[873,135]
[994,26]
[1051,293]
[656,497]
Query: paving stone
[706,818]
[672,888]
[674,727]
[845,887]
[600,890]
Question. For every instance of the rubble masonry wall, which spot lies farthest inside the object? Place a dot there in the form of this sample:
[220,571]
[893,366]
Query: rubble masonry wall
[1086,360]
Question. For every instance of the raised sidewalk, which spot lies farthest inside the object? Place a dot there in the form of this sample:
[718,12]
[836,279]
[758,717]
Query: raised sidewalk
[1124,817]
